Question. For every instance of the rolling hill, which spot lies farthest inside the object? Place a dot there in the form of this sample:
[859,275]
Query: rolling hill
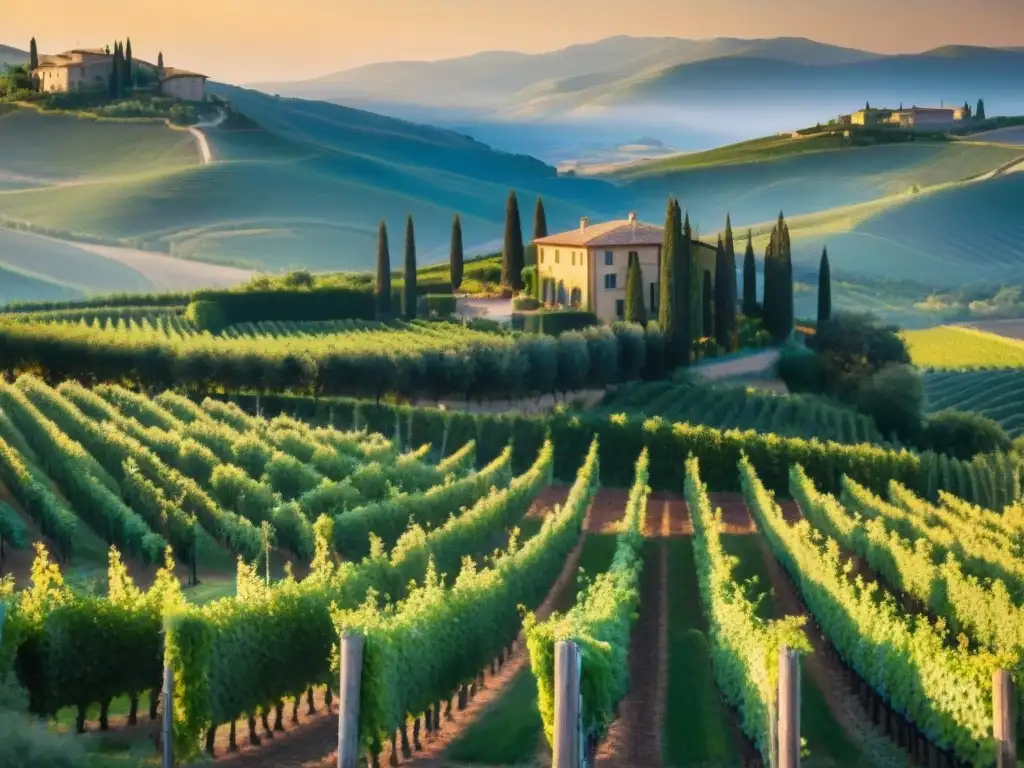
[294,184]
[690,94]
[9,55]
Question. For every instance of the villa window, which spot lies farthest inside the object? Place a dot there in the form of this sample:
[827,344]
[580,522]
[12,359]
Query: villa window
[609,258]
[620,308]
[556,257]
[610,282]
[540,255]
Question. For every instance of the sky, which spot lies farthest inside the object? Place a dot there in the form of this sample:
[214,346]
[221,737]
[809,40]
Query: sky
[245,41]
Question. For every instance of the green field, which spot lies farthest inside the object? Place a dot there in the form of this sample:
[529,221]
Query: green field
[962,348]
[998,394]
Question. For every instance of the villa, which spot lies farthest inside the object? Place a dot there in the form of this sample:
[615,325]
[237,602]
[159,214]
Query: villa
[927,118]
[586,267]
[89,68]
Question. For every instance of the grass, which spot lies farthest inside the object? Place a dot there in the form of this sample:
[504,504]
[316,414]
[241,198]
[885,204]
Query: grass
[697,729]
[509,732]
[962,348]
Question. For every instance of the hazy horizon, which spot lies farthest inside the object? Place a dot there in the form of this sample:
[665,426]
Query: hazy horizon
[245,41]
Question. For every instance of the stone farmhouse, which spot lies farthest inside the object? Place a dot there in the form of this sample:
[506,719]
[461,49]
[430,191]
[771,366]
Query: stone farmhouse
[89,68]
[921,118]
[586,267]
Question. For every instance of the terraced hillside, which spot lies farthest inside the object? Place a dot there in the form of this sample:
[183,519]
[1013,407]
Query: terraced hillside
[998,394]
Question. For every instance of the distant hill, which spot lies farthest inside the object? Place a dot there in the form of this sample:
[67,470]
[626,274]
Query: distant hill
[487,79]
[689,94]
[9,55]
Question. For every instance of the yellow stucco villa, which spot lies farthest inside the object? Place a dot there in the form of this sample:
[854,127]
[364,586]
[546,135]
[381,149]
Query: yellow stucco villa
[586,267]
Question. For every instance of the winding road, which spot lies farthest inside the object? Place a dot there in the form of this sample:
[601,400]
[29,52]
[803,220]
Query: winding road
[205,155]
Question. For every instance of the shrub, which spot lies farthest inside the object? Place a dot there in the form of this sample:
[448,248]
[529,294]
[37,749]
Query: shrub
[25,741]
[437,303]
[525,303]
[557,322]
[964,435]
[894,398]
[530,280]
[801,369]
[854,347]
[206,316]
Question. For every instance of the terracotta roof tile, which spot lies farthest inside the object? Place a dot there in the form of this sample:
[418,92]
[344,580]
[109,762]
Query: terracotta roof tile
[618,232]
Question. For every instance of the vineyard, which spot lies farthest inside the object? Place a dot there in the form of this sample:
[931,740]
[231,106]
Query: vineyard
[961,348]
[997,394]
[425,544]
[738,408]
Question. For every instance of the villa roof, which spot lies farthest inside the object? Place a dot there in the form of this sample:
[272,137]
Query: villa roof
[170,73]
[618,232]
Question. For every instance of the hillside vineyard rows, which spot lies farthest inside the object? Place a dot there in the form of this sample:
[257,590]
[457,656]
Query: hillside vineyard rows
[386,525]
[998,394]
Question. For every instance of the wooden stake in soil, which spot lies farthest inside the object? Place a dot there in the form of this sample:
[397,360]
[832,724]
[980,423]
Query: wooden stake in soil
[1004,719]
[168,736]
[348,702]
[789,708]
[567,705]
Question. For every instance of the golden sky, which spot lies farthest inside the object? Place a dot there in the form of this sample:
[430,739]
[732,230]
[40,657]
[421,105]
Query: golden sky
[252,40]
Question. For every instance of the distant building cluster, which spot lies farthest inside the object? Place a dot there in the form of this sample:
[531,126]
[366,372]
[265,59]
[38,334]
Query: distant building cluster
[927,118]
[84,69]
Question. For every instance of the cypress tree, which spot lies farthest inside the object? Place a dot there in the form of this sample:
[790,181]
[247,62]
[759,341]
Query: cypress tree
[979,113]
[686,305]
[730,259]
[115,74]
[824,288]
[749,278]
[160,62]
[635,311]
[382,291]
[456,261]
[725,307]
[512,257]
[770,300]
[707,306]
[128,82]
[33,57]
[409,292]
[540,220]
[786,285]
[667,280]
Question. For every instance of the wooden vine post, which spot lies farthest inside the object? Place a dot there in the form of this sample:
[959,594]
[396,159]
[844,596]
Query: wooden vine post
[348,699]
[789,708]
[167,724]
[1004,723]
[568,709]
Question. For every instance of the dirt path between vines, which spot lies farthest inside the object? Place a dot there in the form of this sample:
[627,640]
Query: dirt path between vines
[823,670]
[313,743]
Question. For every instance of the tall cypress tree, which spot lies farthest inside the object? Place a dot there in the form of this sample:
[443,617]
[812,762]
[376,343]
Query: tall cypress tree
[667,280]
[770,301]
[128,81]
[540,220]
[382,290]
[707,306]
[725,306]
[409,293]
[824,288]
[979,113]
[730,257]
[786,284]
[512,257]
[686,304]
[115,74]
[455,257]
[33,56]
[635,310]
[749,278]
[160,62]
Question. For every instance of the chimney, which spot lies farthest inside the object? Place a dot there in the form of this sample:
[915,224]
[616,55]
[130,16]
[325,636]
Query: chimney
[584,220]
[632,218]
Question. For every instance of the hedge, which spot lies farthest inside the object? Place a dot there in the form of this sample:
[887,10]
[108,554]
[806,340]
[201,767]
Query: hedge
[623,437]
[441,303]
[554,322]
